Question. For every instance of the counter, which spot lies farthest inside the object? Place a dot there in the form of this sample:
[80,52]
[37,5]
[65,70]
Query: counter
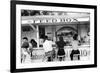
[84,52]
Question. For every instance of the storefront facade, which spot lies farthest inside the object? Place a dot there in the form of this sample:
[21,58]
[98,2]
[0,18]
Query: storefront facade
[55,26]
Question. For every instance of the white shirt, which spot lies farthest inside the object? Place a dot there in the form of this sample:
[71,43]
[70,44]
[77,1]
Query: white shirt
[47,46]
[75,44]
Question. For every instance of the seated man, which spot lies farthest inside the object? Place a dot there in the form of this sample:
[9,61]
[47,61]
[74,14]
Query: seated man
[47,46]
[75,53]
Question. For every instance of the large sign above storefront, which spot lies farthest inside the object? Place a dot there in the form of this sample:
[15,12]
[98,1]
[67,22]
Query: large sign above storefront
[54,20]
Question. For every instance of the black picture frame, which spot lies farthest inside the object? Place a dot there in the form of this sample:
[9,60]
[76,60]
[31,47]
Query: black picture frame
[13,35]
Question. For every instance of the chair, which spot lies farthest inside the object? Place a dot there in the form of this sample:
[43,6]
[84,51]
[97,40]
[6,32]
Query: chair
[61,57]
[76,57]
[47,55]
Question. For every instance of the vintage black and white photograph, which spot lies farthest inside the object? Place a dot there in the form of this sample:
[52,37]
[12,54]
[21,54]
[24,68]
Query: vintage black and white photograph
[51,36]
[54,36]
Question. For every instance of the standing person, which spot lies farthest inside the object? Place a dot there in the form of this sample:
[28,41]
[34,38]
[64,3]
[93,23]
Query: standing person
[60,45]
[47,46]
[24,49]
[87,38]
[32,44]
[75,53]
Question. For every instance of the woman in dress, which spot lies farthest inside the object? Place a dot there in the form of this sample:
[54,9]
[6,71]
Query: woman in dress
[61,52]
[32,44]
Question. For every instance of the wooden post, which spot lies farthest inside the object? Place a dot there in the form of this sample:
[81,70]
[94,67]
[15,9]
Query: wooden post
[37,28]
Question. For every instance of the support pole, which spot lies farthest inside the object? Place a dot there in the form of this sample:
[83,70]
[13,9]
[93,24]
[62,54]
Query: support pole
[37,28]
